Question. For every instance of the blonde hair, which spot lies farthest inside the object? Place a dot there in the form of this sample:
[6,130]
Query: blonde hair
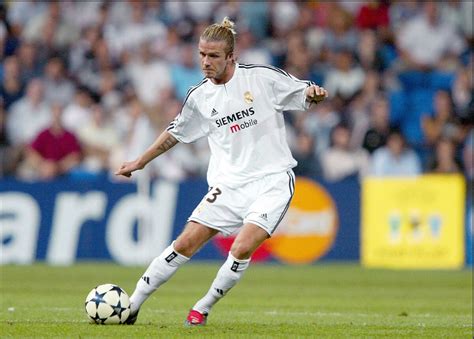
[221,32]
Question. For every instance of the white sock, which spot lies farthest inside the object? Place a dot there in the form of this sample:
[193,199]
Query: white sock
[157,273]
[229,274]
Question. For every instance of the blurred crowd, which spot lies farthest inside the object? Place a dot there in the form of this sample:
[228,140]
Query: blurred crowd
[86,85]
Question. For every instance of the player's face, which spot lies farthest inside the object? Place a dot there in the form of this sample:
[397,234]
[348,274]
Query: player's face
[214,60]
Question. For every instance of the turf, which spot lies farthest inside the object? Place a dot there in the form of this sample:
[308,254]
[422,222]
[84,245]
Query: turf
[323,300]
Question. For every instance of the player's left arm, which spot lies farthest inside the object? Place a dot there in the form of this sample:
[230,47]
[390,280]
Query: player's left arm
[291,93]
[315,94]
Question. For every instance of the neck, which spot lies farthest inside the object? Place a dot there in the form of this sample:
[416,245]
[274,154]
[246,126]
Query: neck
[56,129]
[227,74]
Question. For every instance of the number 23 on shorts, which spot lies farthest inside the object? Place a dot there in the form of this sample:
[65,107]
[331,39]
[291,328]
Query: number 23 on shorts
[214,192]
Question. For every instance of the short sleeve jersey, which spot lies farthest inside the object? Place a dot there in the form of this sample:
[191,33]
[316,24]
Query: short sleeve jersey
[55,147]
[243,122]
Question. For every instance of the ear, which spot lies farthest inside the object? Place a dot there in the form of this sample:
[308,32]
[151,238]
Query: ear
[230,56]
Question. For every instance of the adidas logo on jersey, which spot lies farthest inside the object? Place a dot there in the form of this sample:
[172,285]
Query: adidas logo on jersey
[214,112]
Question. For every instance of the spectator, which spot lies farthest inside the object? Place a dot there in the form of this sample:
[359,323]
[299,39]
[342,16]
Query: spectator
[304,154]
[11,88]
[22,12]
[135,131]
[444,161]
[100,60]
[254,16]
[298,58]
[57,88]
[359,108]
[82,50]
[54,151]
[99,139]
[344,78]
[373,15]
[249,51]
[459,14]
[401,12]
[468,156]
[463,89]
[199,11]
[133,30]
[3,134]
[340,161]
[101,49]
[396,158]
[9,156]
[352,7]
[28,116]
[170,48]
[149,76]
[284,16]
[110,96]
[50,28]
[312,29]
[30,65]
[339,34]
[185,72]
[118,14]
[3,36]
[139,131]
[78,113]
[427,40]
[376,135]
[89,10]
[443,123]
[368,51]
[9,37]
[319,122]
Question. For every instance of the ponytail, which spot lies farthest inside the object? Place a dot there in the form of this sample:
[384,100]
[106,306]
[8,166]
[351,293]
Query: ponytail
[221,32]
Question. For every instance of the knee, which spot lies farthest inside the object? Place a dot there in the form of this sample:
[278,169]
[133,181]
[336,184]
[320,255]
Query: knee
[184,246]
[241,250]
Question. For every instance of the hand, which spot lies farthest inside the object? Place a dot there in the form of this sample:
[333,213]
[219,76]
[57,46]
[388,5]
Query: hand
[48,170]
[127,168]
[316,94]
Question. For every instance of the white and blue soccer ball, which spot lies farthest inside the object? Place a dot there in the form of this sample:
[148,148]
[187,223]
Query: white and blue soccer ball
[107,304]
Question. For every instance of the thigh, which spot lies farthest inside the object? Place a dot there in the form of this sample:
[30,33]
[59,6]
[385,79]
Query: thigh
[273,201]
[222,209]
[193,237]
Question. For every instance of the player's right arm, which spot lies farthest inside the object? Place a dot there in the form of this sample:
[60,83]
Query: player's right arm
[188,126]
[163,143]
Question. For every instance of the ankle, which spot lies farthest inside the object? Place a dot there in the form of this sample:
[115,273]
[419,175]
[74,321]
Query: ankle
[134,308]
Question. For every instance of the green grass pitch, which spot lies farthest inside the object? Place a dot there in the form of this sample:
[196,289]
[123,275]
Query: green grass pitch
[321,300]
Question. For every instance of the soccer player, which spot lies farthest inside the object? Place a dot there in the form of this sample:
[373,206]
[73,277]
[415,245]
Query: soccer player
[239,109]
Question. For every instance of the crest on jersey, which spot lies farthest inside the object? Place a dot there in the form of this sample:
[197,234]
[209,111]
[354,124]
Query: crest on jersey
[248,97]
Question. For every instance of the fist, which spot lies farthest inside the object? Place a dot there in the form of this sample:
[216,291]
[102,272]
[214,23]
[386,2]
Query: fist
[316,94]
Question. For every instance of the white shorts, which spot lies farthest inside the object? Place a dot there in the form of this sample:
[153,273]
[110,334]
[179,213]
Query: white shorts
[262,202]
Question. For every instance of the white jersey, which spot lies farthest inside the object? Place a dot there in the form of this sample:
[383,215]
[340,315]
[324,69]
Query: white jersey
[243,122]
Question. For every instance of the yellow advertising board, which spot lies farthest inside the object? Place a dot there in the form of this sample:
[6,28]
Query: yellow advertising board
[413,222]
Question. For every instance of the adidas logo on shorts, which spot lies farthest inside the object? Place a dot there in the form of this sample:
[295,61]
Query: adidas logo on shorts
[264,216]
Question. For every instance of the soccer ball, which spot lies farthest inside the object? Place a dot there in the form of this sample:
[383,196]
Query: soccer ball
[107,304]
